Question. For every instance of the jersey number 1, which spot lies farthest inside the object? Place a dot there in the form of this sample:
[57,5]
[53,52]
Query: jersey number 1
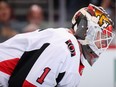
[44,74]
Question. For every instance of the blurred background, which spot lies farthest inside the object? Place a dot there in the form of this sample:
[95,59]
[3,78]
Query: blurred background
[20,16]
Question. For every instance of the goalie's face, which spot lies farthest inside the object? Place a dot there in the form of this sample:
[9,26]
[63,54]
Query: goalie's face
[99,39]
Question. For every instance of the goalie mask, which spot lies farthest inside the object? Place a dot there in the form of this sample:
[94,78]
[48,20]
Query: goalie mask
[93,29]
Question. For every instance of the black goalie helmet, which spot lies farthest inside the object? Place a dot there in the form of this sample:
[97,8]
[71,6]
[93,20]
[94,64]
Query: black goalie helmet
[93,29]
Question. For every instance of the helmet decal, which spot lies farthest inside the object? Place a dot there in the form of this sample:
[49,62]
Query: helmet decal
[102,18]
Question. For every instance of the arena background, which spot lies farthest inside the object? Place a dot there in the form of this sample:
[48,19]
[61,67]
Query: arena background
[20,16]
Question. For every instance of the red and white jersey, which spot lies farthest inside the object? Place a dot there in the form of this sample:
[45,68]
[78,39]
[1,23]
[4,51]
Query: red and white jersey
[48,58]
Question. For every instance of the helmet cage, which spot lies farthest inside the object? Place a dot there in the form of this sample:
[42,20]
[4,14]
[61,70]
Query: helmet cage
[97,39]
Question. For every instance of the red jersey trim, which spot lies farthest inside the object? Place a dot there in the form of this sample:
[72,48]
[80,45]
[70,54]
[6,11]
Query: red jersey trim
[28,84]
[8,66]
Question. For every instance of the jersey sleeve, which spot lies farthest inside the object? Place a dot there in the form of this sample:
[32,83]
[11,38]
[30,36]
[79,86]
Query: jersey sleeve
[69,73]
[13,47]
[10,53]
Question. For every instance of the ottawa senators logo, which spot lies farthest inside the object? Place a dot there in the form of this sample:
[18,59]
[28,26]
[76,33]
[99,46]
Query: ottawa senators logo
[103,19]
